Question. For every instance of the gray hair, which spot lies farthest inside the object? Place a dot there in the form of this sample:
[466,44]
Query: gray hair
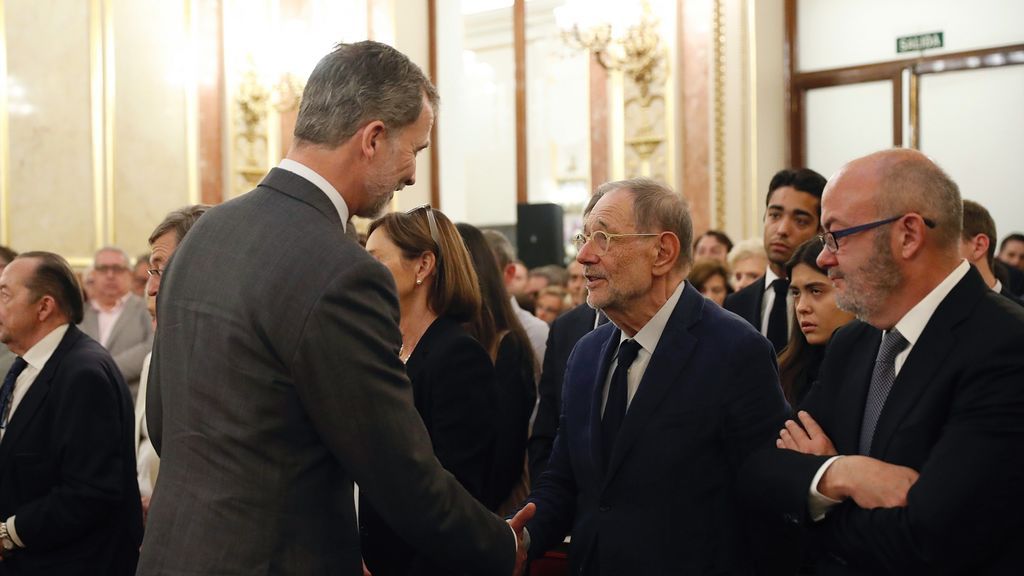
[179,221]
[910,182]
[116,250]
[358,83]
[749,248]
[658,207]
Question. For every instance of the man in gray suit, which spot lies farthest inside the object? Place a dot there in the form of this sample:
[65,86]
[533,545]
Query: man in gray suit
[117,318]
[276,381]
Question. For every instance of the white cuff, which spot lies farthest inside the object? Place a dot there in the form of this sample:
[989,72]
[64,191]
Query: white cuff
[817,503]
[13,533]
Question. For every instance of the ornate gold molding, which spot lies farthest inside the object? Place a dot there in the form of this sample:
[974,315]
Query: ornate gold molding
[96,116]
[719,113]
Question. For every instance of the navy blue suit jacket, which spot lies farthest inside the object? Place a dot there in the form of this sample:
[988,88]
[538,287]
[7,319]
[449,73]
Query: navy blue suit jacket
[667,503]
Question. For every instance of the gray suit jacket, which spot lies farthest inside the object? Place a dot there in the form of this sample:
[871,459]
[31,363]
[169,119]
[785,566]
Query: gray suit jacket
[275,383]
[131,338]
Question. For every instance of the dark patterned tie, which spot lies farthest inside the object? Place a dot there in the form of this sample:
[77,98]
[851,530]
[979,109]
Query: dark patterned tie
[881,383]
[618,389]
[7,390]
[778,324]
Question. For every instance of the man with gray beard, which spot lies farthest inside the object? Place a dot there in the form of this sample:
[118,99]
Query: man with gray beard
[907,457]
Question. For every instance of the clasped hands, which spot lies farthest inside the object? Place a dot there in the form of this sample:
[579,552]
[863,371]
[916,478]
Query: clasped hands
[870,482]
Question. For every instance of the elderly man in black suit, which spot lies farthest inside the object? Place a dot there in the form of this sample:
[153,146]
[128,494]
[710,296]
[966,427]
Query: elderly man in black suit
[68,498]
[791,217]
[276,380]
[908,457]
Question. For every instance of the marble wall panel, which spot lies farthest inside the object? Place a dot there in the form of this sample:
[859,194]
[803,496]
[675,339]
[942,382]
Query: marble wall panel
[51,199]
[153,75]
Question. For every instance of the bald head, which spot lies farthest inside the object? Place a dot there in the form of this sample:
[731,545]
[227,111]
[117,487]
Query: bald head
[901,181]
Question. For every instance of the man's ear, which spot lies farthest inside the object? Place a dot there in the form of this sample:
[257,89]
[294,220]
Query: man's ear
[911,231]
[669,251]
[371,137]
[47,308]
[509,273]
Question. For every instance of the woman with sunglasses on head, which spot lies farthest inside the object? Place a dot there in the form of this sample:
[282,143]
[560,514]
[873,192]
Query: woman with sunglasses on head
[453,378]
[815,314]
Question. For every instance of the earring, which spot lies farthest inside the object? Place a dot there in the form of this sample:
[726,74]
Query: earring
[419,281]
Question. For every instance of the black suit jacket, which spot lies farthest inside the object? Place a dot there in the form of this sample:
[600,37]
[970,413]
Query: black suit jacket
[565,332]
[455,394]
[747,303]
[666,503]
[955,414]
[67,468]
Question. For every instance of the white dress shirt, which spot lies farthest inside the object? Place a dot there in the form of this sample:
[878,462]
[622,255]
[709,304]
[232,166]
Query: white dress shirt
[769,300]
[320,182]
[36,358]
[107,318]
[648,338]
[910,326]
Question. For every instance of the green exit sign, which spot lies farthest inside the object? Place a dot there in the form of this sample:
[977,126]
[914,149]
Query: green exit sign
[919,42]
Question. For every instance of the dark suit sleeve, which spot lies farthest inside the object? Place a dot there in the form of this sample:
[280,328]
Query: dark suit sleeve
[966,502]
[463,412]
[91,440]
[355,392]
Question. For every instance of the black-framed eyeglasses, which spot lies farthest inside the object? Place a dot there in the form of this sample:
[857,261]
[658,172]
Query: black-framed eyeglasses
[831,239]
[431,221]
[602,240]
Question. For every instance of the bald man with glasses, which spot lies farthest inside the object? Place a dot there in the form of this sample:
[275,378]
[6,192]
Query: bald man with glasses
[907,457]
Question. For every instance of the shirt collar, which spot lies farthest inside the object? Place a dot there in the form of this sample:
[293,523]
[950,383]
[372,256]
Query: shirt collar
[913,322]
[769,278]
[649,336]
[320,182]
[40,353]
[997,287]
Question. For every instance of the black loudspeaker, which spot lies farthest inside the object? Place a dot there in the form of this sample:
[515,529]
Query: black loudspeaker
[540,235]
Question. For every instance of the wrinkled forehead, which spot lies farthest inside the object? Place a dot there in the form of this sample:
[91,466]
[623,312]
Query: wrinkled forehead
[613,212]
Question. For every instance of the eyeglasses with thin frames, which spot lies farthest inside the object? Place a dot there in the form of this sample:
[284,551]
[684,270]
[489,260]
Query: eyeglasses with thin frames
[431,221]
[831,239]
[602,240]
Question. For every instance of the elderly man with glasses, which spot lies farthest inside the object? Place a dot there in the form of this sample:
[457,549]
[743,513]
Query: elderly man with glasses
[661,406]
[907,458]
[117,318]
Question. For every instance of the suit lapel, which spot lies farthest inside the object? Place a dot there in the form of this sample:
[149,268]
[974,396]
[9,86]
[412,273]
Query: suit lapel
[596,394]
[925,358]
[33,399]
[118,328]
[663,372]
[849,407]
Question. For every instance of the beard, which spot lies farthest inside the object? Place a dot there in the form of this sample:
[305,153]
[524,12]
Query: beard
[868,287]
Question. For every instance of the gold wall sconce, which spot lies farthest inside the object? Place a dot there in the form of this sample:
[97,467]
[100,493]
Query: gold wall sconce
[258,103]
[623,37]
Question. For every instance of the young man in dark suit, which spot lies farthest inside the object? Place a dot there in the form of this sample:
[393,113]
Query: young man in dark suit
[661,406]
[276,381]
[978,246]
[68,498]
[908,460]
[793,209]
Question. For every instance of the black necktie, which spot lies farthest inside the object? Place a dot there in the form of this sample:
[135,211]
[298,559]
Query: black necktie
[882,378]
[778,324]
[618,389]
[7,390]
